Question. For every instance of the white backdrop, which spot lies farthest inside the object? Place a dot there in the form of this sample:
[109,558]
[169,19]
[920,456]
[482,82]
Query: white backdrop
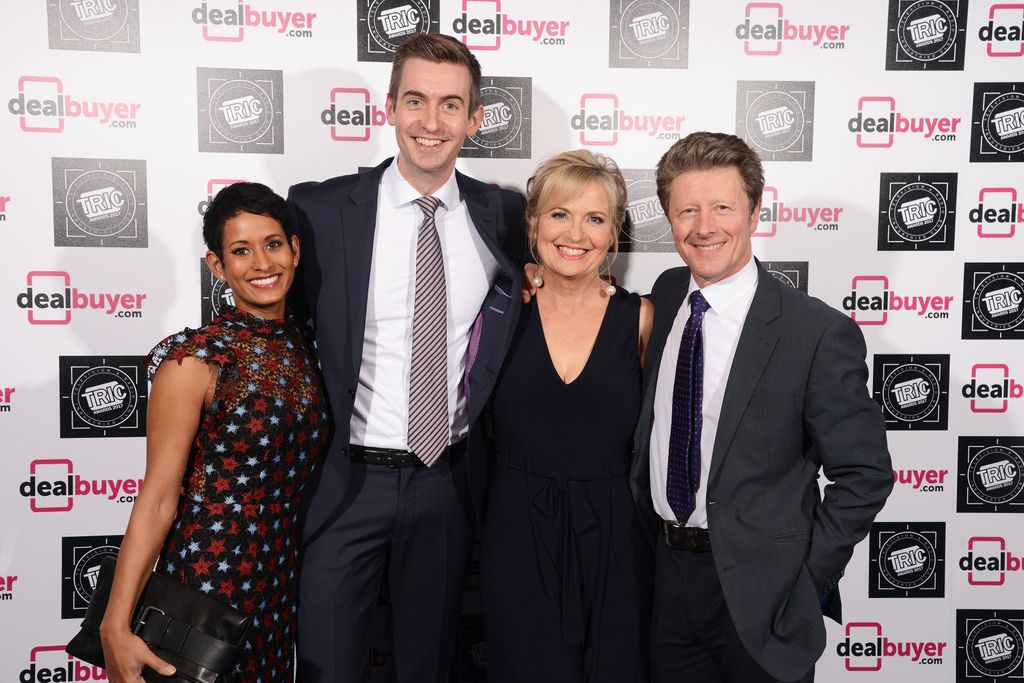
[893,135]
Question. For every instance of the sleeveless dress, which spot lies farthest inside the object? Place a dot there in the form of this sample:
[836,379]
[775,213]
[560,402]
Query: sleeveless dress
[236,536]
[566,569]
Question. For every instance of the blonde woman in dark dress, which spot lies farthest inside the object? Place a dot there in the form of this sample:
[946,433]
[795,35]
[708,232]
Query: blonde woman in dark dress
[566,568]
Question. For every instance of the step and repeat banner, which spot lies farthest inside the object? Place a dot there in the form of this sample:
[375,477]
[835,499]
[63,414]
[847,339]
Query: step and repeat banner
[893,138]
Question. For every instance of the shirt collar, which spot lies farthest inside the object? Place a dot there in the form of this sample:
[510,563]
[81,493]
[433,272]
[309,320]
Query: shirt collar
[397,191]
[724,293]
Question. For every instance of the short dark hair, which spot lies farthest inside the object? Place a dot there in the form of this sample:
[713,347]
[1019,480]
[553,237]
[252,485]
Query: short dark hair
[239,198]
[440,49]
[703,151]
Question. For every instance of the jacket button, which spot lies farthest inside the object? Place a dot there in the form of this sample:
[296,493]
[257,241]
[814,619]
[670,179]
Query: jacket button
[351,393]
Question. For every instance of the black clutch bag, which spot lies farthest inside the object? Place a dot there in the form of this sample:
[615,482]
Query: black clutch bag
[200,635]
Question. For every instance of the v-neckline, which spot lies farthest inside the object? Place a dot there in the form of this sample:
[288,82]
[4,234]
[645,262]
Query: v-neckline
[586,363]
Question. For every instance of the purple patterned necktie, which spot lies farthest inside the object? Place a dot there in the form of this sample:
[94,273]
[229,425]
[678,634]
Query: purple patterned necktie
[429,430]
[683,478]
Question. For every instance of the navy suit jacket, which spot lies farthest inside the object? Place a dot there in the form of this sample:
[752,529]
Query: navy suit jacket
[796,401]
[336,220]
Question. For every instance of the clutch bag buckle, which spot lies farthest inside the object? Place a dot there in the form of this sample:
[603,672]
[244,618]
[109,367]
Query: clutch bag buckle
[144,615]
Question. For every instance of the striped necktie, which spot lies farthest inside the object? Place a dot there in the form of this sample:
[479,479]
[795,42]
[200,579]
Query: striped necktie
[428,376]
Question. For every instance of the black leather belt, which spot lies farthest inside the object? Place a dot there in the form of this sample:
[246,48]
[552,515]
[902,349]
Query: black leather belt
[690,538]
[394,458]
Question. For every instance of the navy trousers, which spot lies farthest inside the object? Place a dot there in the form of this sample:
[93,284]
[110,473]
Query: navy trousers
[411,526]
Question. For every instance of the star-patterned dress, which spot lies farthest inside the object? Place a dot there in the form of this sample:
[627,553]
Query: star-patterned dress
[236,536]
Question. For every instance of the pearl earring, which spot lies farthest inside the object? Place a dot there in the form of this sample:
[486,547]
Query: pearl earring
[610,289]
[537,280]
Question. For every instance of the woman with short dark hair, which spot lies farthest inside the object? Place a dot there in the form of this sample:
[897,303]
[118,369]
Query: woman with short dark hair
[236,420]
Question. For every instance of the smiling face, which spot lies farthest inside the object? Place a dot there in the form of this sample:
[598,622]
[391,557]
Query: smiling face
[432,118]
[574,236]
[258,263]
[711,222]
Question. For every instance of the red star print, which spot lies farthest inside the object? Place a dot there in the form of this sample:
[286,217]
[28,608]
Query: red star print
[226,588]
[202,567]
[274,394]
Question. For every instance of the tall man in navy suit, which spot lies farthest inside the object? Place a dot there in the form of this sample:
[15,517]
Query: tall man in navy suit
[750,387]
[409,271]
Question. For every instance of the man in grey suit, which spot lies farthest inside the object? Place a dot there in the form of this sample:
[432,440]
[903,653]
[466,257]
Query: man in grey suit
[750,389]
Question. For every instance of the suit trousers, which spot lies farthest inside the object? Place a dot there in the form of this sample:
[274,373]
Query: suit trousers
[693,638]
[411,529]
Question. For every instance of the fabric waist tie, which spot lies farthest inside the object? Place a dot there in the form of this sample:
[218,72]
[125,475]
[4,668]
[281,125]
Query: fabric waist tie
[562,501]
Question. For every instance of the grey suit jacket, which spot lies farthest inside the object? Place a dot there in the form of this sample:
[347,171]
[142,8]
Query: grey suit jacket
[796,401]
[336,220]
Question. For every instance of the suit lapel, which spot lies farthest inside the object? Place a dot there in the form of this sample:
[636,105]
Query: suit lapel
[485,220]
[756,343]
[358,225]
[669,304]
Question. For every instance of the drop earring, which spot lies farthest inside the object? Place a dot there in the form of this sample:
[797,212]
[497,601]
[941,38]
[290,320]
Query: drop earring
[537,281]
[609,288]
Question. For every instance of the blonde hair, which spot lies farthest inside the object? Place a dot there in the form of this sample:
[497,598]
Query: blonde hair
[564,177]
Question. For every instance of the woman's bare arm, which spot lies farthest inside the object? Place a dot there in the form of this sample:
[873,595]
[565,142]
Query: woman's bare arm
[176,402]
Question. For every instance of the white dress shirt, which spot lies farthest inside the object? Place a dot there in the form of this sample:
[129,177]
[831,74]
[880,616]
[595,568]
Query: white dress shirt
[729,301]
[380,415]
